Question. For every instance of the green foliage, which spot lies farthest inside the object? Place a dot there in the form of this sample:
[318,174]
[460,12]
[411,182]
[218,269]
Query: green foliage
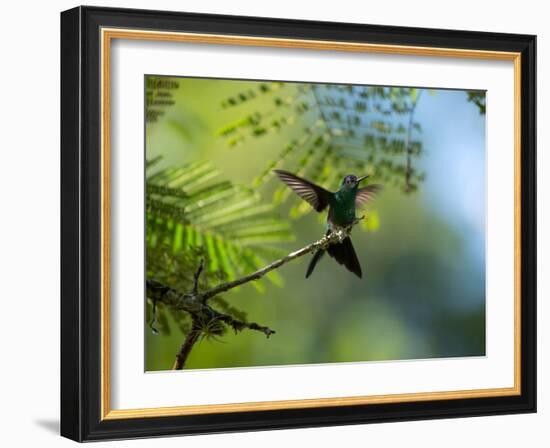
[158,97]
[190,215]
[337,129]
[403,308]
[478,98]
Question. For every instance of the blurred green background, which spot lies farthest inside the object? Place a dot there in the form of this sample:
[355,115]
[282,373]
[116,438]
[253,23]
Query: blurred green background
[422,294]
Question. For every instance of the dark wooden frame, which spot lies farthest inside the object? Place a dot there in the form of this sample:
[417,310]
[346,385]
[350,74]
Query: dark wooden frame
[81,224]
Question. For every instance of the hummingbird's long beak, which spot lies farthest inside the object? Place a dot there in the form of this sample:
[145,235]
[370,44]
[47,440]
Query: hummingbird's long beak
[362,178]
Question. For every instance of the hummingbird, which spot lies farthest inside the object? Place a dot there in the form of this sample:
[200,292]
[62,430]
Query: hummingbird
[341,213]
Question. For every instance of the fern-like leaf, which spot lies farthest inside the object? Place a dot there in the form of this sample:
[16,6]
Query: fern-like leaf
[343,128]
[189,210]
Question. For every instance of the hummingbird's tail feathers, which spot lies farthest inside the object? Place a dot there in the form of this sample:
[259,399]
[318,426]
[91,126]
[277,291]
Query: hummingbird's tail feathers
[344,253]
[316,257]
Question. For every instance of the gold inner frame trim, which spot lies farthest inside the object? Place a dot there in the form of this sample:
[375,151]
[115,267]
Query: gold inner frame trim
[107,35]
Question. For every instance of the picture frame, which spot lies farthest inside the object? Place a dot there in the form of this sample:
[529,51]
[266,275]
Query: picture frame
[87,35]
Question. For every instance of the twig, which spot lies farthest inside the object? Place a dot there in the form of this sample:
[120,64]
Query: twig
[239,325]
[154,318]
[186,347]
[335,237]
[196,277]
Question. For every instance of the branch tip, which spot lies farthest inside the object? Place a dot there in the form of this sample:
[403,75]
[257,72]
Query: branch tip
[196,277]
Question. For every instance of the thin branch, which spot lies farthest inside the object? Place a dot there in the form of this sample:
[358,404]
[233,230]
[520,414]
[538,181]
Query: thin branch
[196,277]
[186,347]
[335,237]
[154,318]
[239,325]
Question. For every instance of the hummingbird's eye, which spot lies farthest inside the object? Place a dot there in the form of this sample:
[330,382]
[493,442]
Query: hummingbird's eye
[349,180]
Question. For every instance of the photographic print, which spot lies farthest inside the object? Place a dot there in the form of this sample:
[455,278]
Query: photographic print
[344,212]
[292,223]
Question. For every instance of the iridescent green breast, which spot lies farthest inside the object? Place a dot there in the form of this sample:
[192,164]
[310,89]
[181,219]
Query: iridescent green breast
[342,207]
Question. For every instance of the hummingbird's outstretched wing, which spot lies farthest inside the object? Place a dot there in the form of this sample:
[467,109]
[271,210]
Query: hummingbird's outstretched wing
[344,254]
[365,194]
[313,194]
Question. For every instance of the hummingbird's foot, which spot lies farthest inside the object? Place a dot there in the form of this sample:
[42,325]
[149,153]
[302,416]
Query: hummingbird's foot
[353,223]
[341,234]
[356,220]
[325,243]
